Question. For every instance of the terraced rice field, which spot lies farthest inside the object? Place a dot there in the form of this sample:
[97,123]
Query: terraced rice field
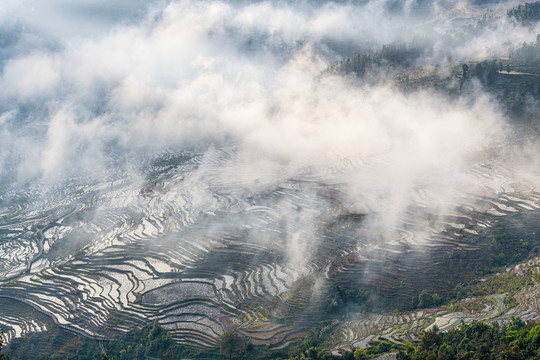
[204,254]
[359,330]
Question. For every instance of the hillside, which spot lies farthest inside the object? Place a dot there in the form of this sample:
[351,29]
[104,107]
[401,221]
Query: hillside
[192,183]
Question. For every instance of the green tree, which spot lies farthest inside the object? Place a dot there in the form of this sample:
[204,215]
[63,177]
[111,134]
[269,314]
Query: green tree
[231,343]
[2,355]
[425,300]
[437,300]
[360,354]
[107,357]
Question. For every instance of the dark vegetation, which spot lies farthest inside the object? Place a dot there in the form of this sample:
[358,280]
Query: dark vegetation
[397,55]
[3,356]
[152,341]
[347,299]
[478,341]
[526,13]
[517,340]
[234,344]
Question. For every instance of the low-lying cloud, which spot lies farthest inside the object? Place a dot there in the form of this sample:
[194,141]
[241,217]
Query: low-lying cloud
[214,73]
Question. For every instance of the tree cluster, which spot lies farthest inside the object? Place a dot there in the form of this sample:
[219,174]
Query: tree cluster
[526,13]
[426,299]
[235,346]
[342,298]
[2,355]
[517,341]
[394,55]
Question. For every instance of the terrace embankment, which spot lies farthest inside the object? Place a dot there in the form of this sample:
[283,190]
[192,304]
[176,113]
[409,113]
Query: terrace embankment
[206,257]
